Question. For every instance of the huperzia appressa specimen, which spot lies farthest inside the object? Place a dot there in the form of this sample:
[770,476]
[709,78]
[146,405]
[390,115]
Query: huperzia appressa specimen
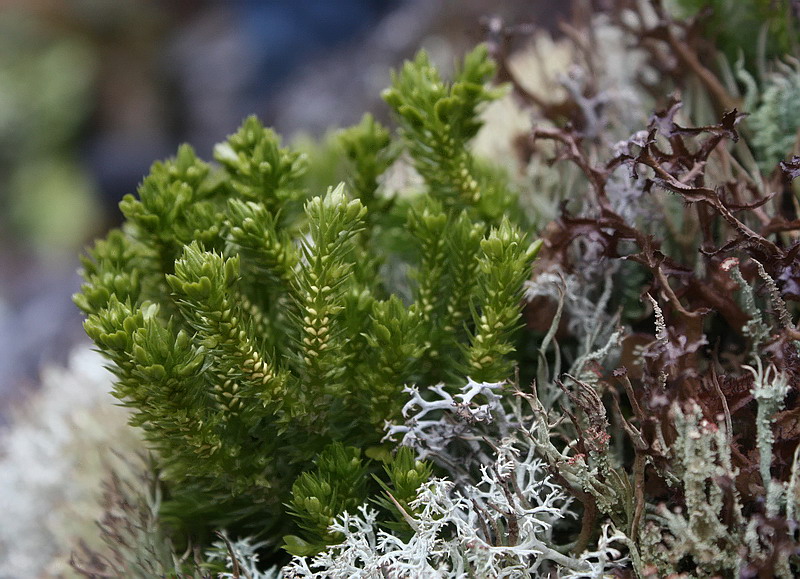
[254,329]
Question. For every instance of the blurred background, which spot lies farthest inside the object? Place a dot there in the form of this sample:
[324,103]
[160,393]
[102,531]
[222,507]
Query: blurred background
[93,91]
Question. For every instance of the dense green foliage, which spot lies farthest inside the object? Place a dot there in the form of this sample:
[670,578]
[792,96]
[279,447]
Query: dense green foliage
[256,329]
[735,26]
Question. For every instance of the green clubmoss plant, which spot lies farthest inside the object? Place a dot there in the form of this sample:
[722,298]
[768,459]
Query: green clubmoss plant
[254,327]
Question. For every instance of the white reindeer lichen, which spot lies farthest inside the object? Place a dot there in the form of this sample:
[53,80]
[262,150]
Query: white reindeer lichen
[457,532]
